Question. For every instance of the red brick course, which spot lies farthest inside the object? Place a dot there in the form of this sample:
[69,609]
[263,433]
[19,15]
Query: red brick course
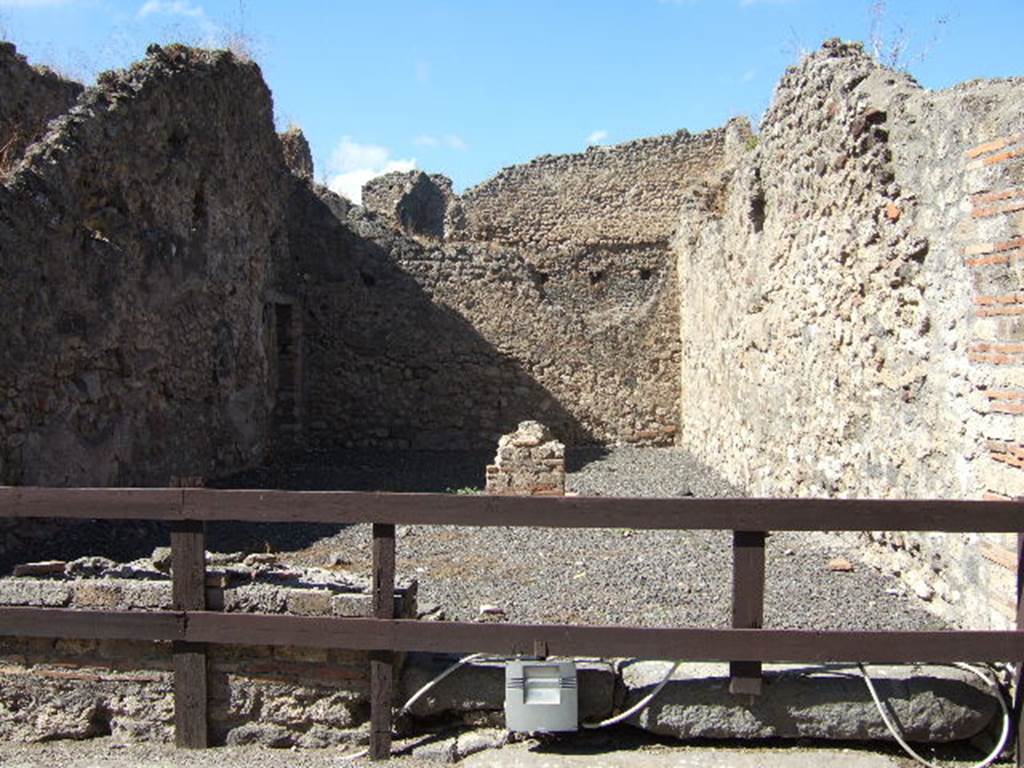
[994,145]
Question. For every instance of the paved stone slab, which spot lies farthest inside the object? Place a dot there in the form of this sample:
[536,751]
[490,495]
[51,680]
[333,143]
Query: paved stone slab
[683,757]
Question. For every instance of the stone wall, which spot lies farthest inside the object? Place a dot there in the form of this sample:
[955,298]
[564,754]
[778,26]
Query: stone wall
[134,247]
[616,197]
[29,98]
[276,696]
[830,336]
[200,290]
[423,343]
[413,202]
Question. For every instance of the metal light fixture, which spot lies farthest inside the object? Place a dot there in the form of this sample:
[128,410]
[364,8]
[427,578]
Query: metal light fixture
[540,696]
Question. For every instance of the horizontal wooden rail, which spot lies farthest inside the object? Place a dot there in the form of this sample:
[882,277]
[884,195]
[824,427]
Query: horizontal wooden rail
[746,645]
[549,512]
[768,645]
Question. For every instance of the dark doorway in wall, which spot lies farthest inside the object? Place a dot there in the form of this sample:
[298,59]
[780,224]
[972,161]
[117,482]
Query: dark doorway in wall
[287,349]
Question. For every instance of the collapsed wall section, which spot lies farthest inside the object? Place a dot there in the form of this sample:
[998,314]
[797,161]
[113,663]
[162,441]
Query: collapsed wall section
[134,248]
[30,97]
[827,311]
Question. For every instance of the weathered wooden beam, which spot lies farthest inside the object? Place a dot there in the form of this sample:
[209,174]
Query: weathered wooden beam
[747,604]
[548,512]
[1018,676]
[382,662]
[92,625]
[188,572]
[766,645]
[405,635]
[92,503]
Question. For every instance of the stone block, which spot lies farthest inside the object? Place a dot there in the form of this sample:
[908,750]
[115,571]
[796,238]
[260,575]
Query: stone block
[35,592]
[41,568]
[309,602]
[932,703]
[101,595]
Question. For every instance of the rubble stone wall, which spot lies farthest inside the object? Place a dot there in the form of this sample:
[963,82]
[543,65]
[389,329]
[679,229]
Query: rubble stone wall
[276,696]
[834,334]
[29,98]
[135,239]
[553,296]
[623,195]
[419,344]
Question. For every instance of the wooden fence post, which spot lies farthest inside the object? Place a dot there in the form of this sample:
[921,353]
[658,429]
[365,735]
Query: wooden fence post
[1018,676]
[747,604]
[382,662]
[188,569]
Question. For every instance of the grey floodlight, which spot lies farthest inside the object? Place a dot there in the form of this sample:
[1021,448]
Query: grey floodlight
[540,696]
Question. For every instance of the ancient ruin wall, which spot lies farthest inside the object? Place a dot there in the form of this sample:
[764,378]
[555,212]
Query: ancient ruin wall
[276,696]
[564,311]
[448,346]
[827,310]
[31,97]
[134,243]
[627,195]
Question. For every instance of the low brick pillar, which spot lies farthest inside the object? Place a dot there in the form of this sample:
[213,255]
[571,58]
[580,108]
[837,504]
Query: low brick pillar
[530,462]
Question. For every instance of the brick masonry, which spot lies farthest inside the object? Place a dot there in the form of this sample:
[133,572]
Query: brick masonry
[993,241]
[529,462]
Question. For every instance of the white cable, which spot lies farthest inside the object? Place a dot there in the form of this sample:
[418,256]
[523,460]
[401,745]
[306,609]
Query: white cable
[640,705]
[457,665]
[416,696]
[346,758]
[646,701]
[989,759]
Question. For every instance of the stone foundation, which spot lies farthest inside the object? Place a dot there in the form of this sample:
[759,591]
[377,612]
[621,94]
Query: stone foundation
[276,696]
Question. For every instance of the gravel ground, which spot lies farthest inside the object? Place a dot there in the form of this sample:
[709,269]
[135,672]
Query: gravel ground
[600,576]
[612,748]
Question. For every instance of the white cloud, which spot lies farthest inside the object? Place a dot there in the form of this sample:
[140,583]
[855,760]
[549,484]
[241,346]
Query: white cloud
[212,35]
[748,3]
[450,140]
[596,137]
[748,75]
[353,164]
[171,8]
[454,141]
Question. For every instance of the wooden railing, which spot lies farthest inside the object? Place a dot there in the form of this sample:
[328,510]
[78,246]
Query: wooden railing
[190,626]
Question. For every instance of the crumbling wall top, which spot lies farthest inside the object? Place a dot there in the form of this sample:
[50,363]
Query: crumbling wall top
[297,155]
[29,98]
[628,194]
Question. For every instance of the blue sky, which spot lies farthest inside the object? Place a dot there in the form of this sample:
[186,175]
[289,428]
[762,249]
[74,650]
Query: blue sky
[466,87]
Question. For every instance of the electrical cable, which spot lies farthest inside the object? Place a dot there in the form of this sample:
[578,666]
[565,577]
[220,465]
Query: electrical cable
[422,691]
[457,665]
[646,701]
[639,706]
[994,684]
